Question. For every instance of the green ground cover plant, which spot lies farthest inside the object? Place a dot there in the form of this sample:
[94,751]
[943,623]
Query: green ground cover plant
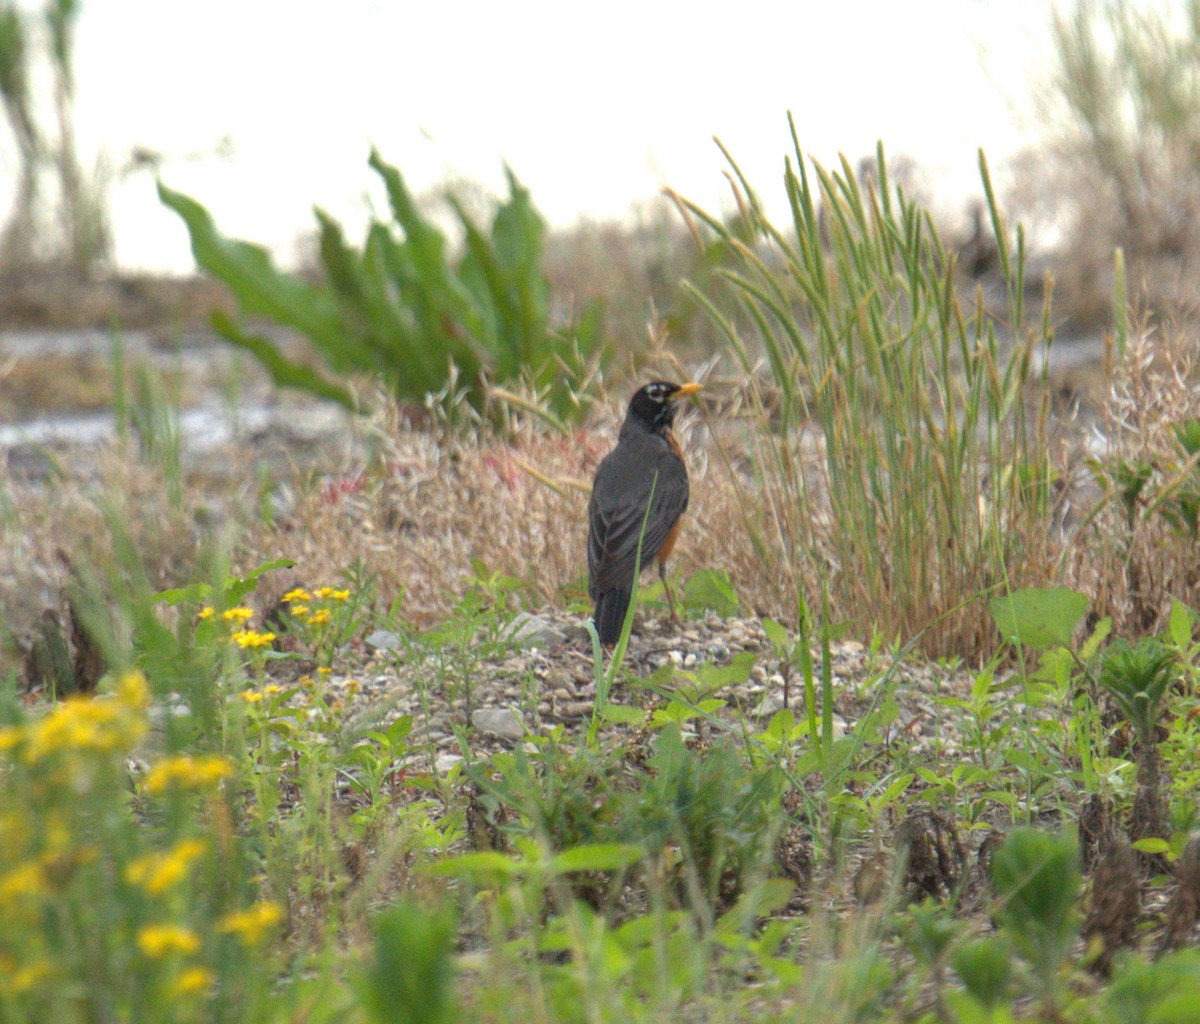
[179,846]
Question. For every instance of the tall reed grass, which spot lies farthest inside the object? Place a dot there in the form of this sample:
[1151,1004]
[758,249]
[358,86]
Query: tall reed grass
[900,450]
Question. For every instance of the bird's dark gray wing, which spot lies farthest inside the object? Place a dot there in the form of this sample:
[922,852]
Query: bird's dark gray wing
[616,521]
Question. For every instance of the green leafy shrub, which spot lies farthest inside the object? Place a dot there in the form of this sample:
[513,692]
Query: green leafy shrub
[1138,678]
[705,819]
[710,812]
[561,796]
[411,977]
[408,310]
[1039,617]
[985,968]
[1037,876]
[1166,991]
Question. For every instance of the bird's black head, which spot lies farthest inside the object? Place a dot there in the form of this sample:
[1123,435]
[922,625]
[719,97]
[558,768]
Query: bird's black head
[653,406]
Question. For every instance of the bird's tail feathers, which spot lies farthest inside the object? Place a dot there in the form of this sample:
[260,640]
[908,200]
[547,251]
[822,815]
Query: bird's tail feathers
[611,607]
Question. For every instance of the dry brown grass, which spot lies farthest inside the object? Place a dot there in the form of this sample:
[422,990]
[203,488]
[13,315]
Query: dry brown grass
[428,502]
[1133,567]
[45,527]
[83,382]
[79,382]
[430,506]
[435,502]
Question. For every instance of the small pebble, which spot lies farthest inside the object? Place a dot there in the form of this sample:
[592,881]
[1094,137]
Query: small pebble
[502,723]
[383,640]
[769,705]
[532,631]
[445,762]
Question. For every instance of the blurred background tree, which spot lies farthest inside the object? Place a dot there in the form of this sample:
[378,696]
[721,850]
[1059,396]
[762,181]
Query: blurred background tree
[1121,167]
[77,237]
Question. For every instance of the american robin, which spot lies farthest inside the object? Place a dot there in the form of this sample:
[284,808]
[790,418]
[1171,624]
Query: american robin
[646,461]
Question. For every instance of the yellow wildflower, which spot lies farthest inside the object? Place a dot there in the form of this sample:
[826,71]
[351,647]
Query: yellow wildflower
[324,592]
[207,612]
[134,690]
[299,609]
[188,772]
[84,723]
[28,977]
[191,981]
[252,924]
[321,615]
[324,670]
[237,614]
[353,686]
[297,594]
[28,879]
[339,595]
[158,872]
[57,834]
[10,736]
[158,940]
[251,696]
[249,638]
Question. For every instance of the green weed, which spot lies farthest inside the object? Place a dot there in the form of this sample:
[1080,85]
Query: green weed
[409,311]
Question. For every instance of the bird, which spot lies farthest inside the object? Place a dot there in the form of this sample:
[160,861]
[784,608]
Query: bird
[642,480]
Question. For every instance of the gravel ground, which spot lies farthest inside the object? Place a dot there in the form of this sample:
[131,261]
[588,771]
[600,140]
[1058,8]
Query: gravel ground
[539,676]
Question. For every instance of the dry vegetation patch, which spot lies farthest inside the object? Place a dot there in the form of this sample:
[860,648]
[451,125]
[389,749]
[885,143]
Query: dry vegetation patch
[420,507]
[1135,549]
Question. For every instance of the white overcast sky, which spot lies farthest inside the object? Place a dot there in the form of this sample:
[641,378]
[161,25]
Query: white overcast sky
[595,106]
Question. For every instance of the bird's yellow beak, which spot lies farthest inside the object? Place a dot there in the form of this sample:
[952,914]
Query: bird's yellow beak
[685,390]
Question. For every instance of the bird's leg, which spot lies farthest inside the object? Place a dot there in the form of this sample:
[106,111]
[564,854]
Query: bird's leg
[662,575]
